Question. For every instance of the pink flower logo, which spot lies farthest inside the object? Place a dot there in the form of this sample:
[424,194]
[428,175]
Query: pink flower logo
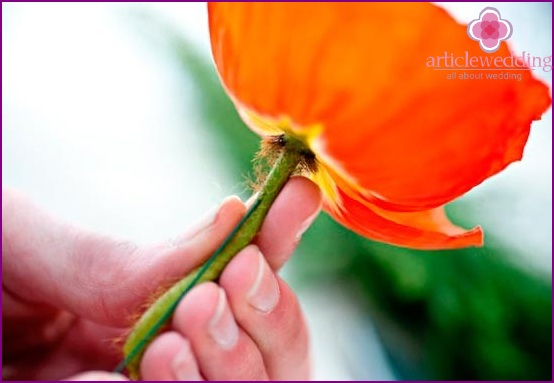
[489,29]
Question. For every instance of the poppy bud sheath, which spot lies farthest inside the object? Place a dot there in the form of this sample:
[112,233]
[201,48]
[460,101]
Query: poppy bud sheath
[394,139]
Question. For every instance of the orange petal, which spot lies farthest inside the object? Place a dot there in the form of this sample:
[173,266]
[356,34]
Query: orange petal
[406,136]
[425,230]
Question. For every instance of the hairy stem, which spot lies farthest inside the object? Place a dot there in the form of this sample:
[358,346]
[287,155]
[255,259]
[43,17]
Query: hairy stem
[155,318]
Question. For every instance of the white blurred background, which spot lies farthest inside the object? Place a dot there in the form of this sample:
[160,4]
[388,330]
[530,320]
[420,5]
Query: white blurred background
[98,129]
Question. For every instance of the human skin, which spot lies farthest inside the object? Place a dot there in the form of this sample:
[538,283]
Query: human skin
[69,293]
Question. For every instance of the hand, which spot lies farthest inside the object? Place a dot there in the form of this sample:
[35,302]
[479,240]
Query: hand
[68,294]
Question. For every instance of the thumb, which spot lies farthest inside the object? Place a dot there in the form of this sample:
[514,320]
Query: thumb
[45,261]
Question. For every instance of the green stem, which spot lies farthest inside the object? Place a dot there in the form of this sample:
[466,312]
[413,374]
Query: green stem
[155,318]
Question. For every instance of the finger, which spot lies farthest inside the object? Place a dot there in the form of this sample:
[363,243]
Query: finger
[267,310]
[170,357]
[92,376]
[47,261]
[223,350]
[293,211]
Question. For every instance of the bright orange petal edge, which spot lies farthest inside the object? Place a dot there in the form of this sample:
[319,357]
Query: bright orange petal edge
[394,139]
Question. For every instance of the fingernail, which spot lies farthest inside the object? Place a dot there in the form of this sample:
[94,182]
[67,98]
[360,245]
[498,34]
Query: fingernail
[222,327]
[207,220]
[306,224]
[252,198]
[95,376]
[181,364]
[264,293]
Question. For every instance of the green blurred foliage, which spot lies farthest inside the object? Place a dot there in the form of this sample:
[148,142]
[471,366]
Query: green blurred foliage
[450,315]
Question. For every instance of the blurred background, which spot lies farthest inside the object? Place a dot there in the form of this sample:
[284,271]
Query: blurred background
[113,118]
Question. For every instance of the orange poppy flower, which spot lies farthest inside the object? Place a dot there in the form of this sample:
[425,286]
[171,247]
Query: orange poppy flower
[394,139]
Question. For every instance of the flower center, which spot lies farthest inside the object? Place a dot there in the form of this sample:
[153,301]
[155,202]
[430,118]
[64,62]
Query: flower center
[270,126]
